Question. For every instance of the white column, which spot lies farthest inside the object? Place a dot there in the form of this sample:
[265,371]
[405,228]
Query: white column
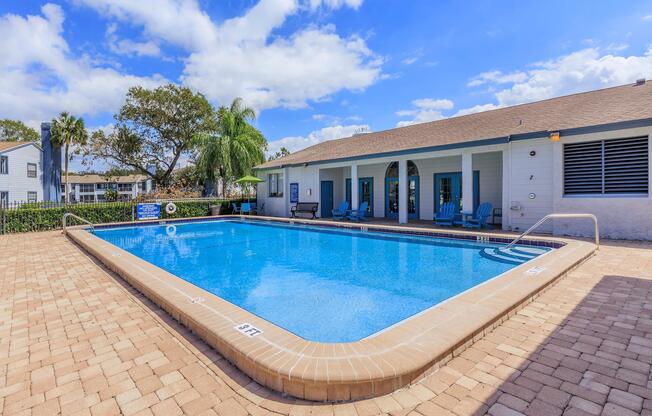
[506,200]
[467,183]
[286,191]
[76,197]
[402,192]
[355,203]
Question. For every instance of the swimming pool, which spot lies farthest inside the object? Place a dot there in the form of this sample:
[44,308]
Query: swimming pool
[322,284]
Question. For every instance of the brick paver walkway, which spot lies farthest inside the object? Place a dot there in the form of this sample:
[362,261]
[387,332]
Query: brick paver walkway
[75,340]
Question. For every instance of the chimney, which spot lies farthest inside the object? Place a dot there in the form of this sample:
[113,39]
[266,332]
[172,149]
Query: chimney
[51,166]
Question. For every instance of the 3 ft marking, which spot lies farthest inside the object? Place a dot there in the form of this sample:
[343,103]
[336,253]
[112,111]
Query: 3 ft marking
[248,330]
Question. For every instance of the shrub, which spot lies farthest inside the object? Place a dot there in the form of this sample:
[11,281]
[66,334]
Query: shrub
[34,218]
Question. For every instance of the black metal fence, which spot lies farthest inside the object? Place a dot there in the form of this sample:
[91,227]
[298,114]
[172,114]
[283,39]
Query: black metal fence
[17,217]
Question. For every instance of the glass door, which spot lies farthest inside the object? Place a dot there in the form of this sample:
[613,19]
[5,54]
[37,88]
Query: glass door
[391,197]
[365,193]
[448,187]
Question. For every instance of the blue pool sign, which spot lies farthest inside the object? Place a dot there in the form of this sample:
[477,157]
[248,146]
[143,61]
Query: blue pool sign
[148,211]
[294,193]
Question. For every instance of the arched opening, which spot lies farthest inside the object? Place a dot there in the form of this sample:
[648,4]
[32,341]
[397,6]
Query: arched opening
[391,190]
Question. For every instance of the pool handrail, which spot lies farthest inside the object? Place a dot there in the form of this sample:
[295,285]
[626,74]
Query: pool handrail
[559,215]
[77,217]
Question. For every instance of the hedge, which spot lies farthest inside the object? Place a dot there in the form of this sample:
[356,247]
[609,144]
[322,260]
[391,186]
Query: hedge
[28,218]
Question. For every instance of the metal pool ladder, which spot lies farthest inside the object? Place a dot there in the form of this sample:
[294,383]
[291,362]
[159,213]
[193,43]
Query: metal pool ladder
[547,217]
[77,217]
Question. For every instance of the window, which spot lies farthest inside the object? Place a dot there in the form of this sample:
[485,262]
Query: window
[4,199]
[31,196]
[86,187]
[603,167]
[87,198]
[106,185]
[31,170]
[4,165]
[275,183]
[124,187]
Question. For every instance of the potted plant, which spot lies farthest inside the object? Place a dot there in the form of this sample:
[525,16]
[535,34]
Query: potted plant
[216,209]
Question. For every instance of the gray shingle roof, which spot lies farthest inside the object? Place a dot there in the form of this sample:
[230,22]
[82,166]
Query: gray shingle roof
[610,105]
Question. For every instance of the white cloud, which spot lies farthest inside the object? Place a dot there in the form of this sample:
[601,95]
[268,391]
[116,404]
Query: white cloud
[130,47]
[647,17]
[583,70]
[295,143]
[476,109]
[425,109]
[335,4]
[40,78]
[243,57]
[497,77]
[413,58]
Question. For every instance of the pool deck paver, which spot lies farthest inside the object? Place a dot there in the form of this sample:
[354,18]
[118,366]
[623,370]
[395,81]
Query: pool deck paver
[76,339]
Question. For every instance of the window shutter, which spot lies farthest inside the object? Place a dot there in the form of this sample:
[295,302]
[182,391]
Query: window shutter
[626,166]
[583,168]
[615,166]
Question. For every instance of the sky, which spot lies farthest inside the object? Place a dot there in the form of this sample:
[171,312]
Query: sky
[316,70]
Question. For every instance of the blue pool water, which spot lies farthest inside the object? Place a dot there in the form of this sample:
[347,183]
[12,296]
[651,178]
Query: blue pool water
[323,284]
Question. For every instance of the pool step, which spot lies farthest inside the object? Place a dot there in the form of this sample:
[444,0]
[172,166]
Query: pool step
[512,255]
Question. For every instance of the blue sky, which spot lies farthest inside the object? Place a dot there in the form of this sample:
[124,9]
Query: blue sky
[316,69]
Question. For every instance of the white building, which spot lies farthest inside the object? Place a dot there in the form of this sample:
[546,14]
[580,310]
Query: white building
[585,153]
[91,188]
[20,172]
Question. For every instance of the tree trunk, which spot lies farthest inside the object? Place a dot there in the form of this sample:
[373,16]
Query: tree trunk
[223,177]
[66,194]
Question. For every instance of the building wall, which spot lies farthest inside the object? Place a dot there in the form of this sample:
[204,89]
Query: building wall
[489,164]
[16,182]
[531,176]
[525,178]
[627,217]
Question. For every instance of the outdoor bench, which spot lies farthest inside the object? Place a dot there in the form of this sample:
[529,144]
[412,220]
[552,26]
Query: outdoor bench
[305,208]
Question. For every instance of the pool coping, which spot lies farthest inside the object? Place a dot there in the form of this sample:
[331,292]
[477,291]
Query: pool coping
[377,365]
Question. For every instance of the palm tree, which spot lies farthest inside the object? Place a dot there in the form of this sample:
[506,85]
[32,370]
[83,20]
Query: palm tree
[68,130]
[236,147]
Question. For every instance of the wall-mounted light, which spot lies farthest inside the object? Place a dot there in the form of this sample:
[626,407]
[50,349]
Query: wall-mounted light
[554,136]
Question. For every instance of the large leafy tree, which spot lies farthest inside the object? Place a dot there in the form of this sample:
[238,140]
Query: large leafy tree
[155,128]
[67,131]
[17,131]
[235,147]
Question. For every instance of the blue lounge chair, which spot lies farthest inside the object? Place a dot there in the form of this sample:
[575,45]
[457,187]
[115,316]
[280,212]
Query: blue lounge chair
[340,212]
[446,214]
[236,208]
[358,214]
[480,218]
[245,208]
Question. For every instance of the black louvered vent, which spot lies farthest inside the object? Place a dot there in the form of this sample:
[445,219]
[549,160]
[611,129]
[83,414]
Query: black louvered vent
[617,166]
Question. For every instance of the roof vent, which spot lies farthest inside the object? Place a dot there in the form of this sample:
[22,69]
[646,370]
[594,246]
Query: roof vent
[361,130]
[640,81]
